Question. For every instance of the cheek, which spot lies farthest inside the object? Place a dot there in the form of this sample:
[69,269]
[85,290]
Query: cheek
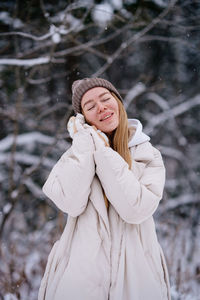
[90,118]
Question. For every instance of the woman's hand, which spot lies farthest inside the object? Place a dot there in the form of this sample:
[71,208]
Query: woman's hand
[82,138]
[75,124]
[100,139]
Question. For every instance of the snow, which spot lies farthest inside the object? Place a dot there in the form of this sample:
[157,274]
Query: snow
[56,38]
[33,225]
[32,267]
[102,14]
[31,250]
[24,139]
[179,201]
[73,23]
[171,113]
[134,92]
[24,62]
[17,23]
[7,208]
[117,4]
[130,1]
[27,159]
[14,194]
[55,35]
[161,3]
[8,20]
[181,258]
[10,297]
[161,102]
[34,188]
[32,253]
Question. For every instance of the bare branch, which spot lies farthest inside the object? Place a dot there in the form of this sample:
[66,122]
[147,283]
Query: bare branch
[92,43]
[52,109]
[47,79]
[148,38]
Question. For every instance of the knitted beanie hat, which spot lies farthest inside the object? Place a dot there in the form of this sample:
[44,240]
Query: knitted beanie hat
[80,87]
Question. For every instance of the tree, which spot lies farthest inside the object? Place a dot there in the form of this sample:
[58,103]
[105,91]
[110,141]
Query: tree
[149,50]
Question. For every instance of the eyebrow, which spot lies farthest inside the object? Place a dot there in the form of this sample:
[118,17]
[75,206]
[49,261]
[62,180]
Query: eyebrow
[91,100]
[87,102]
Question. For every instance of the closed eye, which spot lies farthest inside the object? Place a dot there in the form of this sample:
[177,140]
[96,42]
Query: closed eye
[104,100]
[91,107]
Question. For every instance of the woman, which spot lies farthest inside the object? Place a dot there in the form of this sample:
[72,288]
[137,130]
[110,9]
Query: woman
[109,183]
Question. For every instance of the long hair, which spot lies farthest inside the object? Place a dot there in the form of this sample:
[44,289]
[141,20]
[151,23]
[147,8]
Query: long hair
[119,140]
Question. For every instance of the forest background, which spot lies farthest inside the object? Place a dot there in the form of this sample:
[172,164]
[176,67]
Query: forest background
[150,50]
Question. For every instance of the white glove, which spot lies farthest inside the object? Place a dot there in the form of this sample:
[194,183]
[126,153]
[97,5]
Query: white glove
[82,138]
[75,124]
[100,139]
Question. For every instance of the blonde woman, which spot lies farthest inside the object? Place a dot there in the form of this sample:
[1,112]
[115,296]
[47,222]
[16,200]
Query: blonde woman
[109,183]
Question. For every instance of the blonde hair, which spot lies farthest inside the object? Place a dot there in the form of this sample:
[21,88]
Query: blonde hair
[119,141]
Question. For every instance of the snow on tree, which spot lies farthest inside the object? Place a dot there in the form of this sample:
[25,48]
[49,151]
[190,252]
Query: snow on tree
[150,52]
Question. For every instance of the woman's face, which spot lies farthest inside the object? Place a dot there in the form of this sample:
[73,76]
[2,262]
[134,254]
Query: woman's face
[100,109]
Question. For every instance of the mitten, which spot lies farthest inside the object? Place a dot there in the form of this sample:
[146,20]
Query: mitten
[100,139]
[75,124]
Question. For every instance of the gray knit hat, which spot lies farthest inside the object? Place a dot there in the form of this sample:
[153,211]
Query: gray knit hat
[80,87]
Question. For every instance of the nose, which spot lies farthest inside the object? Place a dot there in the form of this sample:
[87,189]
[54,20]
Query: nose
[101,107]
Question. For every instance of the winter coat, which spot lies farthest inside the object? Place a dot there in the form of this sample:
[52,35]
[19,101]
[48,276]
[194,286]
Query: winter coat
[107,253]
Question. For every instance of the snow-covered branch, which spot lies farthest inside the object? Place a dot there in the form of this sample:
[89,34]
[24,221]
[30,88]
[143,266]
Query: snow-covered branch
[171,152]
[27,159]
[160,101]
[25,62]
[34,188]
[27,35]
[186,199]
[134,92]
[172,113]
[26,139]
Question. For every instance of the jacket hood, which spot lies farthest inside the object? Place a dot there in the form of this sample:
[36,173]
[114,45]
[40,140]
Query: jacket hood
[137,136]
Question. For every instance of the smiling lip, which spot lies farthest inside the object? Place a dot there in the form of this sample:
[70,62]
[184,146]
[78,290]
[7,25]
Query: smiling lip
[108,116]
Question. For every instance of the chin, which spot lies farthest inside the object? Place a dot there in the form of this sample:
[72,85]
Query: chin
[109,130]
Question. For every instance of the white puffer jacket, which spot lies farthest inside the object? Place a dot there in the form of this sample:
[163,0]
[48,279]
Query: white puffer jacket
[107,254]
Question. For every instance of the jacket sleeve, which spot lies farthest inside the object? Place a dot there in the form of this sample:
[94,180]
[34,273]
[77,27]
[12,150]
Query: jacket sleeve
[68,184]
[134,199]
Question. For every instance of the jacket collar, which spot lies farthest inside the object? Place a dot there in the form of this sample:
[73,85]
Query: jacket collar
[137,136]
